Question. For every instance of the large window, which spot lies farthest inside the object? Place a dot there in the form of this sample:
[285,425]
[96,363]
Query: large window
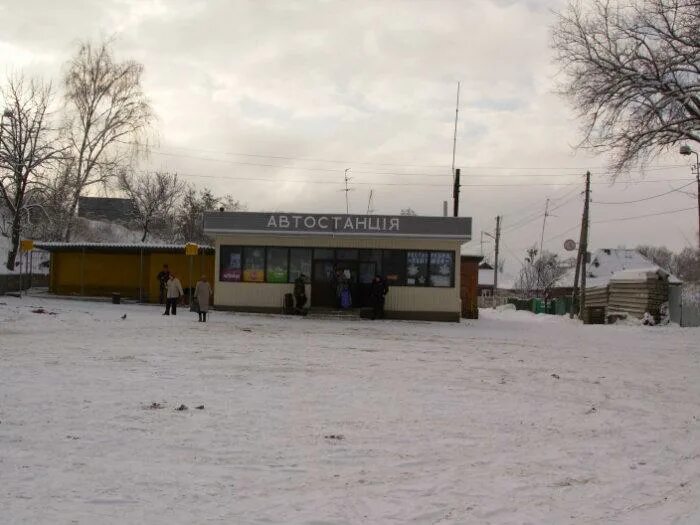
[230,264]
[299,262]
[277,265]
[254,264]
[441,269]
[416,268]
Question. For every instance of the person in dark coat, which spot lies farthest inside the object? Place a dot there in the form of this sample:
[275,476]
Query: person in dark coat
[163,277]
[377,295]
[300,293]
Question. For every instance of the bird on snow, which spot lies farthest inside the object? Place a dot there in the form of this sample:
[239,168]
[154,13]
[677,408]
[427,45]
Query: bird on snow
[124,316]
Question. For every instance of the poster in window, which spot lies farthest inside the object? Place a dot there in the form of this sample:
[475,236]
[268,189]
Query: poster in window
[254,264]
[277,265]
[441,268]
[416,268]
[230,264]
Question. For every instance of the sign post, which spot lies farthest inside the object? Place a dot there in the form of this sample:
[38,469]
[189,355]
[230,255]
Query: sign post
[191,249]
[25,246]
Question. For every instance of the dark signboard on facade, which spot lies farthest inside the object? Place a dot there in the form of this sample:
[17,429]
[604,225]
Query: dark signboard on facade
[338,224]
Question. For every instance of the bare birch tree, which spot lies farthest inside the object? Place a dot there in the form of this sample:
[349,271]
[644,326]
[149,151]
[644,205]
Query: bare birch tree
[155,197]
[28,146]
[539,273]
[108,114]
[633,73]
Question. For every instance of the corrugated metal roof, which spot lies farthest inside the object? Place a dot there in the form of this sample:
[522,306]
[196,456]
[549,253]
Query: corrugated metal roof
[121,247]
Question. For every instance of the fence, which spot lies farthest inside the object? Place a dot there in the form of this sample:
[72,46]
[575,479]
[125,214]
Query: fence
[684,304]
[10,283]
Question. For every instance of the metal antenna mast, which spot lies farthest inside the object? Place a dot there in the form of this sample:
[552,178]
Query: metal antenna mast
[454,140]
[347,179]
[370,209]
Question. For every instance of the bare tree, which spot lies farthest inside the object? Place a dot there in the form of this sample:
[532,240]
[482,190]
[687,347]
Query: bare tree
[633,74]
[108,114]
[192,207]
[684,265]
[155,197]
[539,274]
[27,147]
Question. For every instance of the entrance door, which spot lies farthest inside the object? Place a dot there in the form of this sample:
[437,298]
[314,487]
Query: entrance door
[322,284]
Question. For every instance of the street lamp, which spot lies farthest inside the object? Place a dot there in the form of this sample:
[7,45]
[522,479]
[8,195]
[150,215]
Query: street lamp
[686,150]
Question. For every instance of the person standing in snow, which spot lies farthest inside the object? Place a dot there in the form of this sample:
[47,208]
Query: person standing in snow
[174,292]
[203,293]
[300,292]
[377,295]
[163,282]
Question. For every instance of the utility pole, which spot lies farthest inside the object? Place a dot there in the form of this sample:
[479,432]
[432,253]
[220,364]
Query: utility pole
[370,208]
[544,221]
[495,266]
[582,255]
[454,139]
[455,194]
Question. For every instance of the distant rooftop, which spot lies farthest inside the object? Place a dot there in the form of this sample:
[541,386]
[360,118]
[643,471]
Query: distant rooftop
[105,209]
[608,261]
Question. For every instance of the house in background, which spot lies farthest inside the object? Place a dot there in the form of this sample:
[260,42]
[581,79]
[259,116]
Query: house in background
[106,209]
[485,288]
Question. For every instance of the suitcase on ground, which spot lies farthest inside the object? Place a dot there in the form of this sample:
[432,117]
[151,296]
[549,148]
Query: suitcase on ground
[288,306]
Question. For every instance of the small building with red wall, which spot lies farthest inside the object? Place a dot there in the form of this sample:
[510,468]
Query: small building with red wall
[469,285]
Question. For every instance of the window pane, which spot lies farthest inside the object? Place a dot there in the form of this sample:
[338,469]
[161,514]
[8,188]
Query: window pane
[324,253]
[416,268]
[299,262]
[441,268]
[367,272]
[230,264]
[346,254]
[254,264]
[394,266]
[277,265]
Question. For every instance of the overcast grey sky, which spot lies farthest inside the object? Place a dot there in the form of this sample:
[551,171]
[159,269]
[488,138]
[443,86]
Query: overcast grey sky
[271,100]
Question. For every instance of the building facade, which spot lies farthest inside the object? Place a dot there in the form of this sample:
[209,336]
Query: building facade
[259,255]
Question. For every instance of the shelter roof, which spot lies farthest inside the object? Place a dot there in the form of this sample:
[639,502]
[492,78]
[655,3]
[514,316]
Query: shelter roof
[116,247]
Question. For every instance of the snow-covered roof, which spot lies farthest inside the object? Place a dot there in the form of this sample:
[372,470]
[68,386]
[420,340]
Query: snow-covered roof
[642,274]
[609,261]
[116,246]
[485,277]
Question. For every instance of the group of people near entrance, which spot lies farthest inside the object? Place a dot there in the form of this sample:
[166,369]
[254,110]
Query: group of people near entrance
[343,298]
[171,293]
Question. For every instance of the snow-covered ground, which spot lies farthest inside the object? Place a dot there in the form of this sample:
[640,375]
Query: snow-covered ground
[511,419]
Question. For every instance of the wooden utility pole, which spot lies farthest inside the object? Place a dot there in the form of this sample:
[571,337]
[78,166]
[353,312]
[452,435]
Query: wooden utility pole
[544,222]
[455,195]
[581,256]
[495,266]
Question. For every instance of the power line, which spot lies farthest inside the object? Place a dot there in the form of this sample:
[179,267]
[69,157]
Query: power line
[159,151]
[531,218]
[648,198]
[620,219]
[369,183]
